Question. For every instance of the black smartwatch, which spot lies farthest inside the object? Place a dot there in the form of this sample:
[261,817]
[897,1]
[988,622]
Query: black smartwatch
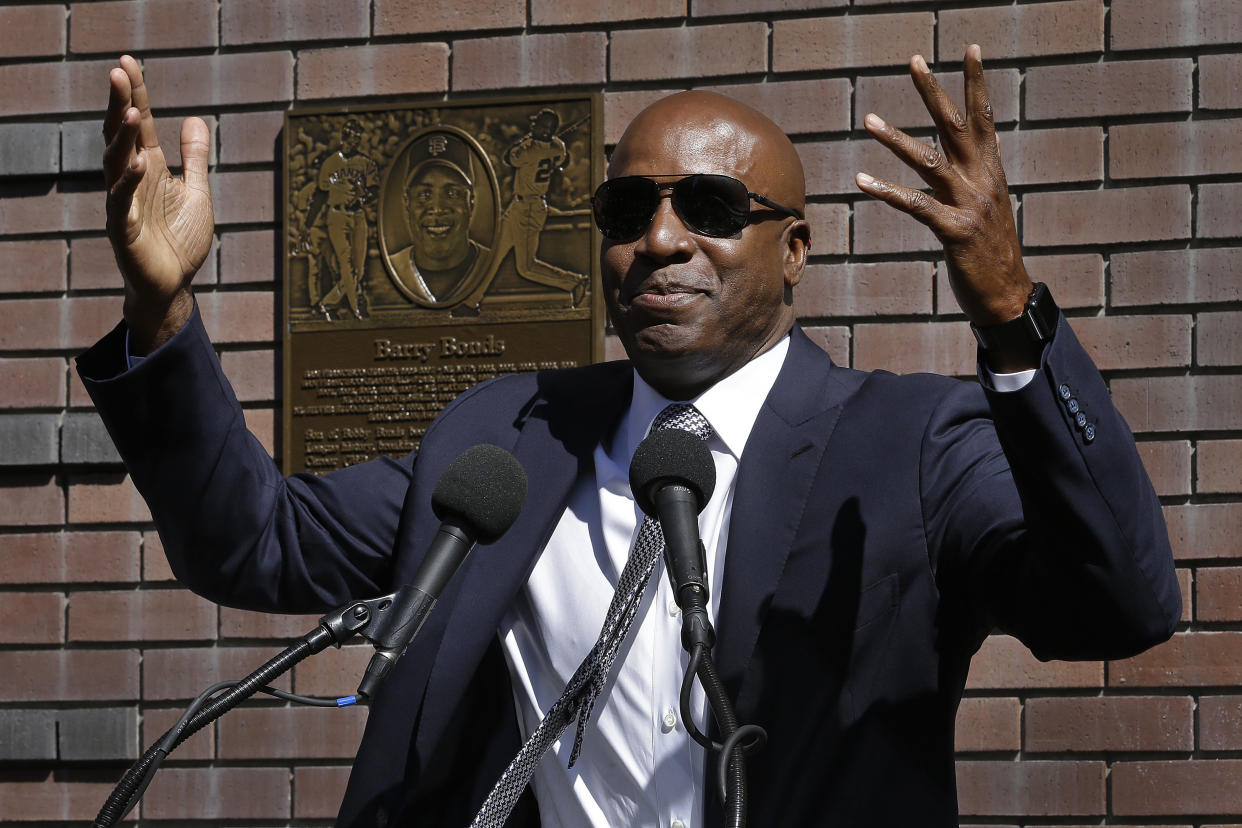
[1033,328]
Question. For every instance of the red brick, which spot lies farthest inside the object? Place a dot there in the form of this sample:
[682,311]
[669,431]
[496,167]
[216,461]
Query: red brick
[154,562]
[1004,663]
[1177,787]
[709,8]
[830,166]
[235,623]
[93,264]
[688,51]
[157,721]
[1075,279]
[895,100]
[423,17]
[1218,215]
[1219,593]
[1157,24]
[76,86]
[32,383]
[74,557]
[1220,722]
[221,80]
[1122,342]
[184,673]
[1218,466]
[262,424]
[1031,788]
[51,799]
[1189,659]
[32,266]
[884,289]
[830,228]
[1174,149]
[283,21]
[218,793]
[244,197]
[1131,214]
[938,347]
[1066,28]
[357,71]
[1160,277]
[834,339]
[30,323]
[1204,530]
[1218,339]
[238,316]
[820,105]
[1131,723]
[986,724]
[1098,90]
[854,40]
[248,256]
[318,791]
[1180,403]
[525,61]
[291,733]
[1185,585]
[1168,465]
[1045,156]
[32,617]
[250,137]
[879,228]
[1218,81]
[131,26]
[68,675]
[332,673]
[142,615]
[621,107]
[556,13]
[32,31]
[251,373]
[35,207]
[105,498]
[30,500]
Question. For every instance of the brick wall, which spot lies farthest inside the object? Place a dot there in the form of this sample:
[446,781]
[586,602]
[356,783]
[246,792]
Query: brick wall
[1120,124]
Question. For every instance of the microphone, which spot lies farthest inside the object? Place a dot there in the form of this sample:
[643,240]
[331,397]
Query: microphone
[477,499]
[672,476]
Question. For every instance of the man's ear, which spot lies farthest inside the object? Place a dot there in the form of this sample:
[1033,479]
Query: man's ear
[797,246]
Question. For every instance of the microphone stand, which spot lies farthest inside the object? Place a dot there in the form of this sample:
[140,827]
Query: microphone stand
[383,621]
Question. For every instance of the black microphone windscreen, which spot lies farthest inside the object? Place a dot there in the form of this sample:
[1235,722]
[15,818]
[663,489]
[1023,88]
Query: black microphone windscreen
[485,487]
[672,456]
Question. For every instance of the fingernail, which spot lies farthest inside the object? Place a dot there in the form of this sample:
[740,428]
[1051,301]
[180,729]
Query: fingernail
[920,64]
[864,180]
[874,121]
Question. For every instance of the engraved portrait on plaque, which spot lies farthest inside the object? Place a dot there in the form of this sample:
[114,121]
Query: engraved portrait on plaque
[430,247]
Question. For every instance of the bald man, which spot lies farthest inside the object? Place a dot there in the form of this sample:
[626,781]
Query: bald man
[865,534]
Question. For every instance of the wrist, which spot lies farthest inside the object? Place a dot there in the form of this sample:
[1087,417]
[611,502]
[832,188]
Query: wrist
[1017,345]
[153,321]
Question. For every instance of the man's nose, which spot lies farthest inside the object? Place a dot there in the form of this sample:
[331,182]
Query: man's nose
[667,237]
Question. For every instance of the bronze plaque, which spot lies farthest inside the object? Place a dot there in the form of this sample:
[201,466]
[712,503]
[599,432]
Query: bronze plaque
[429,247]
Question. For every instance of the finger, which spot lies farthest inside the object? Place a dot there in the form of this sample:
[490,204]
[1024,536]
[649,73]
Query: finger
[195,150]
[915,203]
[121,197]
[121,150]
[949,120]
[118,102]
[979,112]
[929,162]
[138,93]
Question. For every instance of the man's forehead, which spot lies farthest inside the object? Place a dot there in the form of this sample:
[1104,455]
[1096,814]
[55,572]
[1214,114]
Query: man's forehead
[684,145]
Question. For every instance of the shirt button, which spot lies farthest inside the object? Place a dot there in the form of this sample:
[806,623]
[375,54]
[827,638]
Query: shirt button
[677,823]
[669,720]
[673,609]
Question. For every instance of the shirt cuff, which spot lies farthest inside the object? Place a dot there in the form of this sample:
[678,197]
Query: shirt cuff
[131,361]
[1004,383]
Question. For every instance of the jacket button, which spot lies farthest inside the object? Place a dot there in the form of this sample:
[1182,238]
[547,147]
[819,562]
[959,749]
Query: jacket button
[1080,420]
[1088,433]
[1064,391]
[1072,405]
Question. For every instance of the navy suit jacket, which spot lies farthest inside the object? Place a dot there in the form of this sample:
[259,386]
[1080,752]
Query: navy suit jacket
[881,527]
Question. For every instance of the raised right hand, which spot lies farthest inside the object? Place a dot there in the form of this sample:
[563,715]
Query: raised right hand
[160,226]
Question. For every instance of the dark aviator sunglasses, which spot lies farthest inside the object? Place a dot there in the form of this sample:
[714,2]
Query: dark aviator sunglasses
[708,204]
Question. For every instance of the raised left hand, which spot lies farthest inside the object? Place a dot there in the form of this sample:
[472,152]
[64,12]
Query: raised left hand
[968,209]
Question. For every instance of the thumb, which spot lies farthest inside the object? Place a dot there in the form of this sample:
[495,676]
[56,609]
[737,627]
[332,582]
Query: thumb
[195,149]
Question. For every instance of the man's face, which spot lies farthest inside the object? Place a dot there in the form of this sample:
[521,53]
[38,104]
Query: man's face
[440,204]
[691,309]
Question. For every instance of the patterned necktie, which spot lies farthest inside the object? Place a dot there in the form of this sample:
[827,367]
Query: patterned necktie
[578,697]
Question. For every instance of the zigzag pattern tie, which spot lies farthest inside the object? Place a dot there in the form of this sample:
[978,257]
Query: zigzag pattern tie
[579,695]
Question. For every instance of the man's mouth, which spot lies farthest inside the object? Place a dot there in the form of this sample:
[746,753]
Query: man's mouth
[664,295]
[438,231]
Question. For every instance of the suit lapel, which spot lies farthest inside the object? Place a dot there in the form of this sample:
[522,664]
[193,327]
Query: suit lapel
[558,432]
[780,462]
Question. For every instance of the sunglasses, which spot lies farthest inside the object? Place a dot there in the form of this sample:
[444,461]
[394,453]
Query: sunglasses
[710,205]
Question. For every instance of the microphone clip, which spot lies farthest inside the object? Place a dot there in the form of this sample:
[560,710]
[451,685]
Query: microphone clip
[388,622]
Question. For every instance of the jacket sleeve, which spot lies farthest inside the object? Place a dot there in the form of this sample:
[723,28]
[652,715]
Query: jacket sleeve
[234,528]
[1046,525]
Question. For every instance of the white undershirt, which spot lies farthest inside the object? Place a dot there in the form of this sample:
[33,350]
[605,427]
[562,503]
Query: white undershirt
[638,766]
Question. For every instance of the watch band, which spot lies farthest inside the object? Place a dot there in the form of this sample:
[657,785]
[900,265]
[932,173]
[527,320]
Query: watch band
[1035,326]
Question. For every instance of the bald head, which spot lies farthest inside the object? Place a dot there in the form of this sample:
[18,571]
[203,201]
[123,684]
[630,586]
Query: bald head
[711,133]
